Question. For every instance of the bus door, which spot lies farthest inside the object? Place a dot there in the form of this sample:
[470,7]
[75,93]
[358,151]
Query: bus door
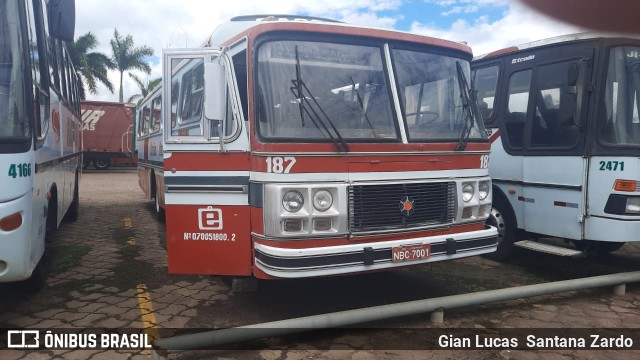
[553,137]
[206,174]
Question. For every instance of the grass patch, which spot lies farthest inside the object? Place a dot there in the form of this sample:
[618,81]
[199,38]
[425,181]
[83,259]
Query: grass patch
[68,256]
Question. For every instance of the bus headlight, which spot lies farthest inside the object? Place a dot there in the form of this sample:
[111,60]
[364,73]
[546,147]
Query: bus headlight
[467,192]
[483,189]
[322,200]
[292,201]
[633,205]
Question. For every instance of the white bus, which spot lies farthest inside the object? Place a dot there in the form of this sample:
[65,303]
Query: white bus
[39,134]
[565,132]
[293,147]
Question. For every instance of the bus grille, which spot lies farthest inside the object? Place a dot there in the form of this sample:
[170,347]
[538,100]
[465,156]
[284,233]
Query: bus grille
[380,207]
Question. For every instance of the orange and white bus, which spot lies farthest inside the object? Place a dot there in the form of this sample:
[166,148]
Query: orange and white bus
[39,133]
[290,147]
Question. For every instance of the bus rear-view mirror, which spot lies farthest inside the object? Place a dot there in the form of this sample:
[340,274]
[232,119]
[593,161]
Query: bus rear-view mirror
[214,92]
[62,19]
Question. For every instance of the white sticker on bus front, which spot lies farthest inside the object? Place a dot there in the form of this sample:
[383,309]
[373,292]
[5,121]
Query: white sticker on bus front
[210,218]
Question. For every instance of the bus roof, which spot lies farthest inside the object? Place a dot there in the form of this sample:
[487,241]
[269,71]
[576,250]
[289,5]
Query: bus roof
[554,40]
[241,26]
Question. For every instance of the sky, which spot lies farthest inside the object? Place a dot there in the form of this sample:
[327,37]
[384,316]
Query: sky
[485,25]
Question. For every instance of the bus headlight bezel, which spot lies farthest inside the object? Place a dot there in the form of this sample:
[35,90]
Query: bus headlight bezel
[484,188]
[289,200]
[468,191]
[322,200]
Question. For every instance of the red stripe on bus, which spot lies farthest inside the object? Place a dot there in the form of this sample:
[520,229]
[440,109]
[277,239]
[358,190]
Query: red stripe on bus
[494,136]
[355,164]
[194,161]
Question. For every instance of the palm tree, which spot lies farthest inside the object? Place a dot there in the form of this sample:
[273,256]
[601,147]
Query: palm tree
[126,57]
[144,89]
[90,66]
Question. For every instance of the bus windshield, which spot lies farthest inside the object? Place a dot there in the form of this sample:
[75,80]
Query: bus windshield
[430,95]
[13,122]
[622,97]
[322,91]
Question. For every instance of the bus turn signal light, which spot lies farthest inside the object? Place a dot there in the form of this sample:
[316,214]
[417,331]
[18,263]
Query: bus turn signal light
[11,222]
[625,185]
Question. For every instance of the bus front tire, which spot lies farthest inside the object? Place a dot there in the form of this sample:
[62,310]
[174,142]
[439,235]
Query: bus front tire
[503,219]
[74,208]
[159,209]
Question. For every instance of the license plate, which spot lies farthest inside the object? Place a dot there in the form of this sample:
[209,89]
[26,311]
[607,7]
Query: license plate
[410,252]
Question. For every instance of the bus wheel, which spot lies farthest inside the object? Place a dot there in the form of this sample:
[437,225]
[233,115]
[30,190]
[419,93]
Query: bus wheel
[102,164]
[597,248]
[502,218]
[159,209]
[74,208]
[38,277]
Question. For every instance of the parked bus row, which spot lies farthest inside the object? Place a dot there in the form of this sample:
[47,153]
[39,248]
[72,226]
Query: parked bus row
[334,149]
[292,147]
[39,134]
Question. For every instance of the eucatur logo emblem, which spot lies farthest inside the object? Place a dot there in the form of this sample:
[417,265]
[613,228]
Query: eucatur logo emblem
[406,206]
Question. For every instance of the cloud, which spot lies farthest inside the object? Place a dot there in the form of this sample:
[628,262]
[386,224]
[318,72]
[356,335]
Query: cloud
[461,9]
[517,25]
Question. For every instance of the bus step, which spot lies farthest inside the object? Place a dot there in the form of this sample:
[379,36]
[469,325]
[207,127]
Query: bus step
[547,248]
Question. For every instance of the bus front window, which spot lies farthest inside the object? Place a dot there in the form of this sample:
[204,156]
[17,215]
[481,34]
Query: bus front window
[13,122]
[621,124]
[430,95]
[322,92]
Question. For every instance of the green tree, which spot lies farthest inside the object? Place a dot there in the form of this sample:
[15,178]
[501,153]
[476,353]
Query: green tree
[144,89]
[127,57]
[91,66]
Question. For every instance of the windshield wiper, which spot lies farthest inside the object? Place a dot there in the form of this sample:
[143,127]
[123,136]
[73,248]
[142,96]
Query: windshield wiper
[468,100]
[364,112]
[298,89]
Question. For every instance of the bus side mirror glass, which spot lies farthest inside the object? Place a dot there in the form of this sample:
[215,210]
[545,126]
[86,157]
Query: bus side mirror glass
[572,74]
[62,19]
[215,94]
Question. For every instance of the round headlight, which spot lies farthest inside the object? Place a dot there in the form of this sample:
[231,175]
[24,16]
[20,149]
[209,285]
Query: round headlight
[483,189]
[322,200]
[467,192]
[292,201]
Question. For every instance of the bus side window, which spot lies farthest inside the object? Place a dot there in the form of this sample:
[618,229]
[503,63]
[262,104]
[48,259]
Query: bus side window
[517,104]
[240,68]
[146,113]
[53,64]
[554,98]
[38,52]
[175,95]
[191,100]
[485,81]
[157,108]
